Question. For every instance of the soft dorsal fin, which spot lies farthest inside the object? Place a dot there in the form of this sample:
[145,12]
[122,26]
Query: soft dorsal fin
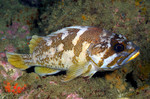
[34,42]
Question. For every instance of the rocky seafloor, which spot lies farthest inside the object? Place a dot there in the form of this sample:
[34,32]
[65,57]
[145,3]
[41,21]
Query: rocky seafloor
[20,19]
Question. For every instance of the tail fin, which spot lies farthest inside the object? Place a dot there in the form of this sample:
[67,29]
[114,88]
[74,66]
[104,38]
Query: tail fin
[17,60]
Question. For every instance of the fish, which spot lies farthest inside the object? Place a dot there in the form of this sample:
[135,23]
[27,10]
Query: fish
[78,50]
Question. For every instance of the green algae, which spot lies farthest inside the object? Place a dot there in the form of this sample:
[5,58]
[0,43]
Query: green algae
[45,89]
[13,12]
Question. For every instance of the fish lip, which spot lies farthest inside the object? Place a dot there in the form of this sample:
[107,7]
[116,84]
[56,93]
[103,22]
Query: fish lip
[127,59]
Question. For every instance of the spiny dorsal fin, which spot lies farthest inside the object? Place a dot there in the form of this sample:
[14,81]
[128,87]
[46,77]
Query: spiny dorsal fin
[34,42]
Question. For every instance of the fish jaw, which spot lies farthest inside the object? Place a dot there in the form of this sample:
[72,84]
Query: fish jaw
[130,57]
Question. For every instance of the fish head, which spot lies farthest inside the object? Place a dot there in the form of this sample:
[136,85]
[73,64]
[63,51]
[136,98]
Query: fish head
[112,51]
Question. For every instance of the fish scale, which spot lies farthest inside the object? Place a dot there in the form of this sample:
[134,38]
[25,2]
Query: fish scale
[79,50]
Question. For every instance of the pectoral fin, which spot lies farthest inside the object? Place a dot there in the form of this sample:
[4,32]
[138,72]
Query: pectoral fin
[90,72]
[74,71]
[42,71]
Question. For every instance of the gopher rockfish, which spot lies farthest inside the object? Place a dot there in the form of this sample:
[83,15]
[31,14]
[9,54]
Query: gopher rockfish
[79,50]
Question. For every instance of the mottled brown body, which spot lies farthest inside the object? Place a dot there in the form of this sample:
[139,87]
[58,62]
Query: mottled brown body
[81,50]
[56,39]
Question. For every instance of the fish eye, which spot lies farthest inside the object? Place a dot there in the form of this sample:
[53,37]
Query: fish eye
[119,47]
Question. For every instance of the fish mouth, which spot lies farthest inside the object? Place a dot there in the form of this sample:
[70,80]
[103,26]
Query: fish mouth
[131,56]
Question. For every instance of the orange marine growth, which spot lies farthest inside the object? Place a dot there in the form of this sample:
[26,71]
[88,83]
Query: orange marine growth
[14,89]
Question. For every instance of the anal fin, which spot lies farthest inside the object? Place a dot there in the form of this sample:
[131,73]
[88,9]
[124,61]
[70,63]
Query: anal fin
[42,71]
